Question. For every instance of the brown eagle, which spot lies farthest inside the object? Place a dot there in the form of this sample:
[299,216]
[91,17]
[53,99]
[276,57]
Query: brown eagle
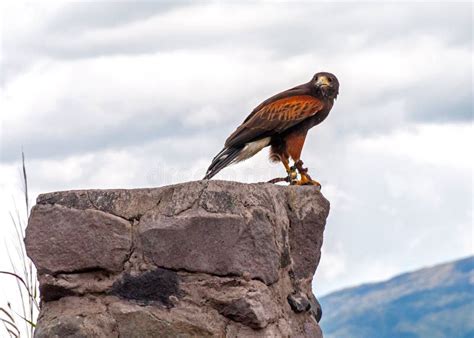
[281,122]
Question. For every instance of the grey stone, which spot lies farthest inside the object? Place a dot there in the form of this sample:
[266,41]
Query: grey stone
[247,302]
[78,317]
[309,211]
[250,311]
[148,322]
[60,239]
[213,243]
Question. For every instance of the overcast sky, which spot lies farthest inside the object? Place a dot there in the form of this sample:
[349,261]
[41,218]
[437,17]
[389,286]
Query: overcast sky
[122,95]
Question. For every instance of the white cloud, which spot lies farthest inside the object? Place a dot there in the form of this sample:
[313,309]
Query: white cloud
[447,145]
[333,265]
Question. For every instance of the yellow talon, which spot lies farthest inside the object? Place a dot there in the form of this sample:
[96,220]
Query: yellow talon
[306,180]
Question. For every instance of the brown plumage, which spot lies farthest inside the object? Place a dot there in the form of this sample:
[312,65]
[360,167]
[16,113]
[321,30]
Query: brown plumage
[282,123]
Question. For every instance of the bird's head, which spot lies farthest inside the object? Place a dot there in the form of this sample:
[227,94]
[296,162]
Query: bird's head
[326,84]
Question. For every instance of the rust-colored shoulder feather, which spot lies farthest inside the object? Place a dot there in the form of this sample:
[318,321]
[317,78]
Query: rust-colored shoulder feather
[298,90]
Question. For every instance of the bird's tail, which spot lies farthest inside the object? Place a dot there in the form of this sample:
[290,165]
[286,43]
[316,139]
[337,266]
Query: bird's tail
[225,157]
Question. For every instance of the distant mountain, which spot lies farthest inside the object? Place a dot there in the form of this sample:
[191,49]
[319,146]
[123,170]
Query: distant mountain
[435,302]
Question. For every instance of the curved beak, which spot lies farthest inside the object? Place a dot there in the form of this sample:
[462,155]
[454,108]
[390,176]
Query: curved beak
[323,81]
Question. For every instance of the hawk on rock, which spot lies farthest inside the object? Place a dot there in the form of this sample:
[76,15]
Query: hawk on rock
[281,122]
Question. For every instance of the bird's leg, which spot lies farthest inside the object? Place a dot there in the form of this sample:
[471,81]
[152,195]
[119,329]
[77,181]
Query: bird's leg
[305,178]
[292,174]
[291,171]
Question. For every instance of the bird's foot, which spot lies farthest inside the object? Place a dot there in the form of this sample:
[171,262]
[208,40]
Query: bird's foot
[310,182]
[307,180]
[292,177]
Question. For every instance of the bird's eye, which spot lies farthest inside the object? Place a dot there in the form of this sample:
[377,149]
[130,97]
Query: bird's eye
[329,79]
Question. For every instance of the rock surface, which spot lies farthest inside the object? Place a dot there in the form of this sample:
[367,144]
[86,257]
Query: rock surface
[199,259]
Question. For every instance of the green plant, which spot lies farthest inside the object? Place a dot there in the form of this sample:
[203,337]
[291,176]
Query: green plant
[23,271]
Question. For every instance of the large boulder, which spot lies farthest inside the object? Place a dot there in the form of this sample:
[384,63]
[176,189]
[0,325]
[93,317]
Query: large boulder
[206,258]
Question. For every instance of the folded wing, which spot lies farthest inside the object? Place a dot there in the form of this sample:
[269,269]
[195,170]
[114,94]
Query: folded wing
[275,117]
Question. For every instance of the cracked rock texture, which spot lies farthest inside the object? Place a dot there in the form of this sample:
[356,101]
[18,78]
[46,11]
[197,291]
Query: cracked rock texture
[198,259]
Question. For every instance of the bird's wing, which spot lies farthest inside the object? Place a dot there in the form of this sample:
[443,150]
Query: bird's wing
[295,91]
[275,117]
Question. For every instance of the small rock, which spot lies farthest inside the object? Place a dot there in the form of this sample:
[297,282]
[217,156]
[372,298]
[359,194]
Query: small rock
[299,303]
[246,275]
[253,310]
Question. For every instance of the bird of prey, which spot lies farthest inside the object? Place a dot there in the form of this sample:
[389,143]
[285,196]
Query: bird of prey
[281,122]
